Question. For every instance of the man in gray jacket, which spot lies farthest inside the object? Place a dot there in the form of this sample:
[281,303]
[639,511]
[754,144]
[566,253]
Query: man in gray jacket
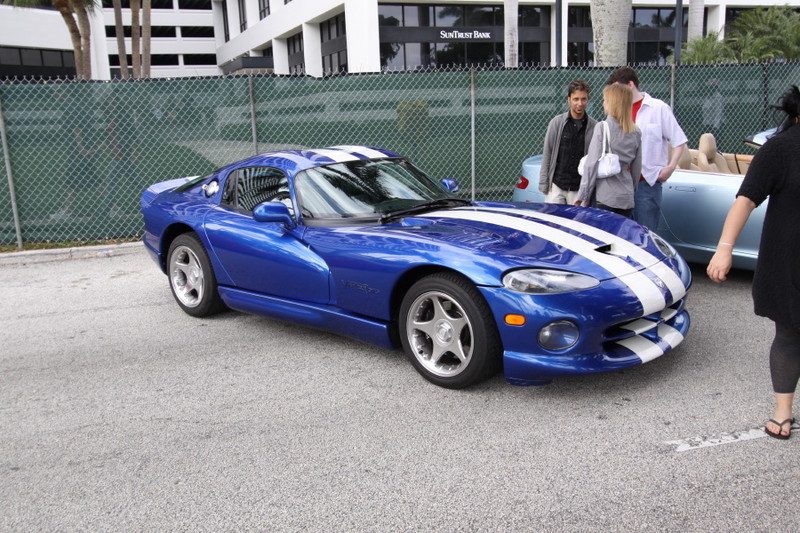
[566,141]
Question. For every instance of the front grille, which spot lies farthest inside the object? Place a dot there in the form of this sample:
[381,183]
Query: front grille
[642,325]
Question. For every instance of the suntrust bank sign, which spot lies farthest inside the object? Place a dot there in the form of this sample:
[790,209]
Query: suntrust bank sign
[465,35]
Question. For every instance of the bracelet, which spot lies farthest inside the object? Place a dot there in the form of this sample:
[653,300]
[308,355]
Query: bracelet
[725,243]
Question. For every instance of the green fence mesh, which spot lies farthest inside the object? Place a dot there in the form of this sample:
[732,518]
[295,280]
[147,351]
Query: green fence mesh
[81,152]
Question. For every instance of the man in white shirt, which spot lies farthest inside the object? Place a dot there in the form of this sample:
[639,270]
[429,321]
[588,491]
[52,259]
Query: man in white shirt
[659,130]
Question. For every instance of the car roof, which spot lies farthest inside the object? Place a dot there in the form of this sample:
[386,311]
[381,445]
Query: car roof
[294,161]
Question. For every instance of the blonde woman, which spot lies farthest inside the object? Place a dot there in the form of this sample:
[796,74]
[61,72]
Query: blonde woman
[614,193]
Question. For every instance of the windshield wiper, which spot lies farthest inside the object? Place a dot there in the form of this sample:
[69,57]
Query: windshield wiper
[425,206]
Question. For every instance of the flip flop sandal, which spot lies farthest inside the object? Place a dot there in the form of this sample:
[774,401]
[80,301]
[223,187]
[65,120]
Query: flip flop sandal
[778,434]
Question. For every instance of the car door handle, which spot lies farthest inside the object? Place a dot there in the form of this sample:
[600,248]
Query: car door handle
[685,188]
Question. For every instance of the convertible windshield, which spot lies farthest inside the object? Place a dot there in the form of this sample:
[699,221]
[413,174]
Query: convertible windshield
[364,189]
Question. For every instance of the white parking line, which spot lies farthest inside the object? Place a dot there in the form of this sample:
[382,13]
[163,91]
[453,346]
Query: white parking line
[704,441]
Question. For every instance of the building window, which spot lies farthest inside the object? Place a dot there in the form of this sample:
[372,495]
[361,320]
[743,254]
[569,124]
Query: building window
[579,17]
[31,57]
[10,56]
[205,5]
[242,16]
[334,45]
[580,53]
[126,4]
[534,17]
[196,31]
[52,58]
[411,36]
[294,45]
[168,60]
[155,31]
[227,33]
[653,36]
[199,59]
[263,8]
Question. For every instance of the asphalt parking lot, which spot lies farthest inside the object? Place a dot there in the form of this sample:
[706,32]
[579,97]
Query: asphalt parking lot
[120,412]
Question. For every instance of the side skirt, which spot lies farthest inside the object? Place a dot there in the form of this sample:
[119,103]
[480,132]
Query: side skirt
[314,315]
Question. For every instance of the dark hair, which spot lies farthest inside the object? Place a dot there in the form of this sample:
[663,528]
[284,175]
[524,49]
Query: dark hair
[577,85]
[790,105]
[623,75]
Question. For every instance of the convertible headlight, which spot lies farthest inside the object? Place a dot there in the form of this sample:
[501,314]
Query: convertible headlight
[663,246]
[543,281]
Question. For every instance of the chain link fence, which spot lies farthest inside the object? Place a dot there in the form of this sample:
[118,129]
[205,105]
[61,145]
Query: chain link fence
[81,152]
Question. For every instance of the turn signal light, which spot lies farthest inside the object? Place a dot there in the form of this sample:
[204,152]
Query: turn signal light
[515,320]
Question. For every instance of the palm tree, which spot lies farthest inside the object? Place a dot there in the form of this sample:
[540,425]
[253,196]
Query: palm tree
[696,12]
[511,20]
[136,58]
[123,54]
[75,14]
[146,31]
[610,21]
[705,50]
[764,34]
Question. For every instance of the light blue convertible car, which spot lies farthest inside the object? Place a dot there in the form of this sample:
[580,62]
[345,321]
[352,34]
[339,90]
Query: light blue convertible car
[695,200]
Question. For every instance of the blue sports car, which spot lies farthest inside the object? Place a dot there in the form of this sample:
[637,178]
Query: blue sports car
[358,241]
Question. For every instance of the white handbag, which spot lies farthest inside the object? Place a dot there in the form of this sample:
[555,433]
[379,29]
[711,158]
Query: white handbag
[608,164]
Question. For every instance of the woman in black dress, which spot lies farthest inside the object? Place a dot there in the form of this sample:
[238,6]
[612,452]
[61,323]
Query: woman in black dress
[774,173]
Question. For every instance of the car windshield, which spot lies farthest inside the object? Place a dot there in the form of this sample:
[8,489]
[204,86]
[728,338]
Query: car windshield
[363,189]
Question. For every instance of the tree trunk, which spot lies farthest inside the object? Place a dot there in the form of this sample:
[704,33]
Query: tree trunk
[123,54]
[511,37]
[146,5]
[696,12]
[610,22]
[136,57]
[64,8]
[86,36]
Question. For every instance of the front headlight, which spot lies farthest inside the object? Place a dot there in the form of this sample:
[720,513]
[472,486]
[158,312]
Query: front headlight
[663,246]
[543,281]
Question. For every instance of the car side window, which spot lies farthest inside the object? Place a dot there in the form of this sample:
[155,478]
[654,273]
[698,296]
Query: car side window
[248,187]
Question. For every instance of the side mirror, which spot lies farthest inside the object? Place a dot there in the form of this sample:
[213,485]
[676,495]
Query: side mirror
[211,188]
[273,212]
[450,184]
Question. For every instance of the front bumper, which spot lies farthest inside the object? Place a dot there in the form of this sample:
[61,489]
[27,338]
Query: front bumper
[614,334]
[661,337]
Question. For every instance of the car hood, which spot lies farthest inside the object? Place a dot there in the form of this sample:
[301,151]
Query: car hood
[497,237]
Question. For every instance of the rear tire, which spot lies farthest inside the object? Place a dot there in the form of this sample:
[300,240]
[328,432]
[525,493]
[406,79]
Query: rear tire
[191,277]
[448,331]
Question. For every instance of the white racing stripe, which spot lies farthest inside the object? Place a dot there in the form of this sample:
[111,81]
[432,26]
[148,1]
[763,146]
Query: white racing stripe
[668,313]
[670,335]
[336,155]
[645,349]
[363,150]
[640,255]
[640,326]
[650,296]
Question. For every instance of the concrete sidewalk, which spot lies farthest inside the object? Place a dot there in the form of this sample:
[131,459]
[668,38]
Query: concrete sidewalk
[62,254]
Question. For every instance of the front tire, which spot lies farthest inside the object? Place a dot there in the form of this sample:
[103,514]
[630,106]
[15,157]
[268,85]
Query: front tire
[448,332]
[191,277]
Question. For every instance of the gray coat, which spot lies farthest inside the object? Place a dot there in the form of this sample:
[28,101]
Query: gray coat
[613,191]
[552,142]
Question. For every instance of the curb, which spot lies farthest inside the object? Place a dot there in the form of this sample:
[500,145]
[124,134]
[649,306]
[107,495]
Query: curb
[65,254]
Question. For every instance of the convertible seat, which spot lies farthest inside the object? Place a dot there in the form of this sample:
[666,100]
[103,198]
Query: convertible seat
[708,158]
[685,162]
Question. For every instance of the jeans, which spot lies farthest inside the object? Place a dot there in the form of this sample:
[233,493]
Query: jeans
[647,204]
